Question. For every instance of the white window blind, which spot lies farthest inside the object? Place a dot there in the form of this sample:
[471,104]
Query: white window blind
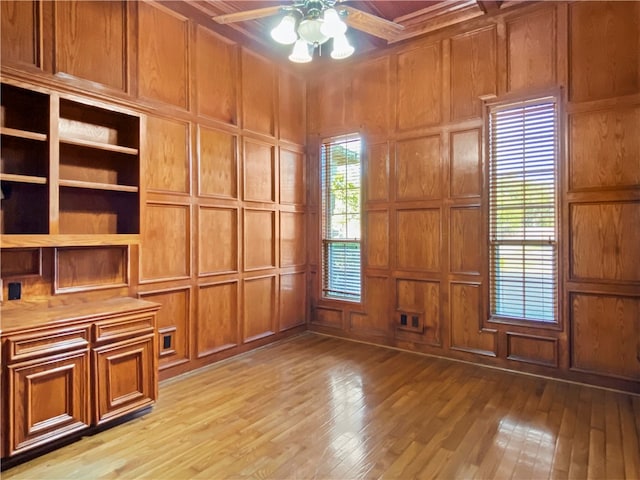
[341,241]
[523,210]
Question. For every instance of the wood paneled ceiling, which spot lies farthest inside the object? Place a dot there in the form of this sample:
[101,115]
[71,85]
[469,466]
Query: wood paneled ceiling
[418,17]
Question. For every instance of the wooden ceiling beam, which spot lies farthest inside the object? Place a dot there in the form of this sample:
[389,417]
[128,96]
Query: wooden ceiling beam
[489,6]
[433,11]
[426,22]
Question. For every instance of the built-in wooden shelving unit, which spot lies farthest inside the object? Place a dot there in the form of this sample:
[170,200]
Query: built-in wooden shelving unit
[70,171]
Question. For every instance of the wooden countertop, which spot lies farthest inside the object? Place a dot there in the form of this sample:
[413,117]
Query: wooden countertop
[35,316]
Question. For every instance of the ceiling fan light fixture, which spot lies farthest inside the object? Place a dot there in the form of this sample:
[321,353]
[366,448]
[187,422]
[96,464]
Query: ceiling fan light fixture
[300,52]
[332,25]
[341,47]
[285,32]
[310,30]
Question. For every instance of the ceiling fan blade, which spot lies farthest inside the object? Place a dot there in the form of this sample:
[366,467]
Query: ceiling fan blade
[376,26]
[247,14]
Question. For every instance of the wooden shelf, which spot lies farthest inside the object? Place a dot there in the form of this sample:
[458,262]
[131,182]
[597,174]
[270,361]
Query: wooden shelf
[98,186]
[82,192]
[10,177]
[14,132]
[99,145]
[68,240]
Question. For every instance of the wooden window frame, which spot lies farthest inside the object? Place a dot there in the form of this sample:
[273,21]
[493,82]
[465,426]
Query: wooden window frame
[326,239]
[501,104]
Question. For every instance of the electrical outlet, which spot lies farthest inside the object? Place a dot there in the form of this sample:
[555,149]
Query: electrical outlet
[410,321]
[15,290]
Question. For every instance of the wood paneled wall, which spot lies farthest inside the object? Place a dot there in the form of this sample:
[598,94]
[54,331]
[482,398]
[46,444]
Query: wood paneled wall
[223,220]
[420,109]
[230,201]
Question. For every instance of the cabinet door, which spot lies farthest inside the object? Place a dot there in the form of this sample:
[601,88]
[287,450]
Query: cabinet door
[125,377]
[48,399]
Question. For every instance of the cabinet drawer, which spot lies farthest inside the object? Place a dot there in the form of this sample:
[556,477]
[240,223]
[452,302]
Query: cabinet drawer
[31,345]
[123,327]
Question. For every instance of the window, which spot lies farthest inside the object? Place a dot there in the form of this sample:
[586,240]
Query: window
[523,210]
[340,158]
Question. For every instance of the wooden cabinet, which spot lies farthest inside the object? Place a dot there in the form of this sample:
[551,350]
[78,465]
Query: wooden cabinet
[70,170]
[121,367]
[68,368]
[48,399]
[122,380]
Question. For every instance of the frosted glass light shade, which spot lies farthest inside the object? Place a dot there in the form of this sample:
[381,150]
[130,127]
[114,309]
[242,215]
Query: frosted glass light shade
[310,30]
[300,52]
[332,25]
[341,47]
[285,32]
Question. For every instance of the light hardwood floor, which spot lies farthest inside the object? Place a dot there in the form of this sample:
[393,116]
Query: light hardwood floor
[319,407]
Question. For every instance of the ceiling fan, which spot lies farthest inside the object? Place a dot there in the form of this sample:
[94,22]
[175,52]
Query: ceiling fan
[309,23]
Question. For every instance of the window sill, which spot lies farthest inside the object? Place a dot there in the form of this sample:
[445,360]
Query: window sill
[541,324]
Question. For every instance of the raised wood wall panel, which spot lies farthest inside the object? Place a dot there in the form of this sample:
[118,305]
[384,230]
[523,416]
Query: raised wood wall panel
[259,171]
[329,99]
[418,170]
[604,241]
[167,156]
[292,177]
[216,66]
[605,149]
[259,239]
[531,51]
[258,91]
[217,163]
[19,24]
[376,320]
[377,236]
[418,239]
[217,319]
[466,313]
[163,52]
[377,172]
[91,268]
[419,87]
[532,349]
[293,300]
[165,252]
[328,317]
[417,296]
[217,240]
[370,80]
[292,235]
[173,319]
[473,71]
[258,318]
[466,163]
[594,347]
[466,240]
[604,49]
[95,50]
[291,95]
